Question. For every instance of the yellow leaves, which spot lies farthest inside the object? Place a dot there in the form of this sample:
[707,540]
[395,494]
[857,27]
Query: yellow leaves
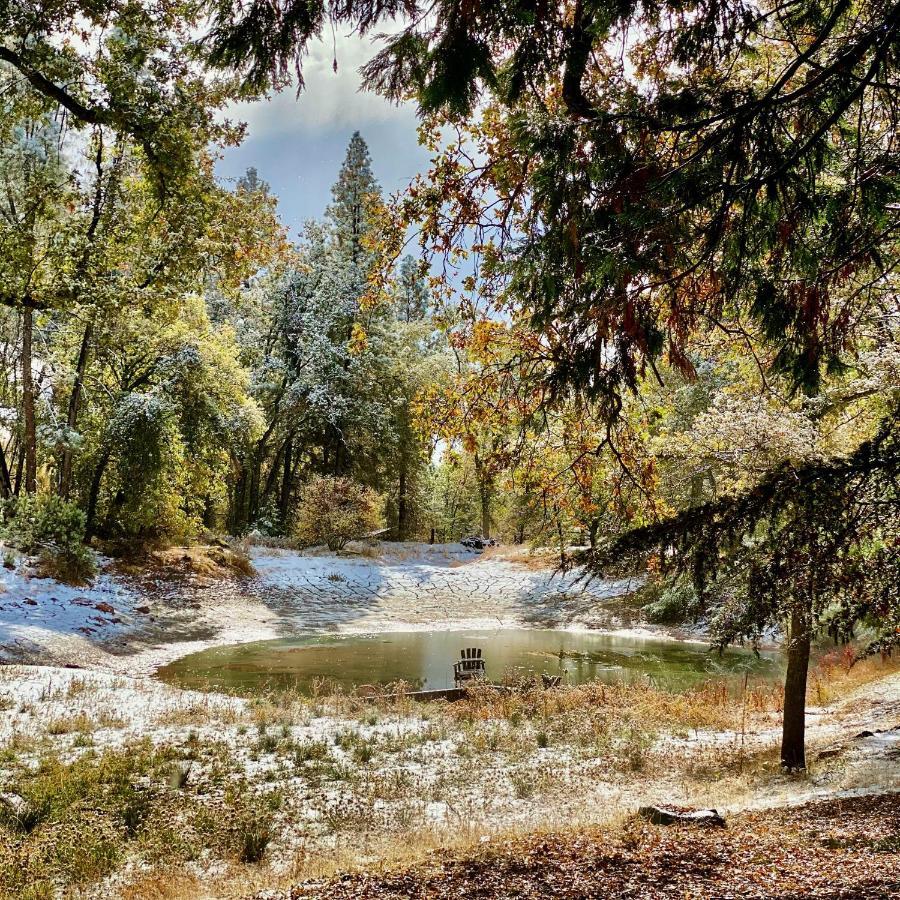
[359,340]
[486,339]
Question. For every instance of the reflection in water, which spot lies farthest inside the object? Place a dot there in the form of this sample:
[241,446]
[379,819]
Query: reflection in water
[425,659]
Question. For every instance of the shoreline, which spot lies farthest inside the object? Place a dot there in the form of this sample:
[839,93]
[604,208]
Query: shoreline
[131,623]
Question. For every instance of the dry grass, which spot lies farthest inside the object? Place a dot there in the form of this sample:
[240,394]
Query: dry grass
[838,673]
[337,780]
[71,724]
[534,559]
[587,706]
[200,712]
[207,561]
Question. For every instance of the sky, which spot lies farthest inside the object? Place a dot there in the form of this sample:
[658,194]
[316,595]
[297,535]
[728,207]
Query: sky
[297,144]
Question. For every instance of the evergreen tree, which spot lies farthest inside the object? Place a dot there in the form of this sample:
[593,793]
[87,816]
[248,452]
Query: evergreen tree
[252,183]
[354,196]
[411,293]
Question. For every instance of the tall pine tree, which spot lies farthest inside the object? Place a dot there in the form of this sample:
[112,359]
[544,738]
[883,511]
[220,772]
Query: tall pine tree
[355,195]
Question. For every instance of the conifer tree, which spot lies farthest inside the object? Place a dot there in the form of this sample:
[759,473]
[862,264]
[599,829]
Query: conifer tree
[353,196]
[411,292]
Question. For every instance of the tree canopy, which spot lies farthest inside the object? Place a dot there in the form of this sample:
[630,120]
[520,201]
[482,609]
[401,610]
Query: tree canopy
[664,323]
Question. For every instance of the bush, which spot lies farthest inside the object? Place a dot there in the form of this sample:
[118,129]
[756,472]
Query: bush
[673,604]
[53,528]
[254,836]
[333,511]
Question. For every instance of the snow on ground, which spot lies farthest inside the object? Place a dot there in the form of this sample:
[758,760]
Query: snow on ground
[33,610]
[440,586]
[132,624]
[499,777]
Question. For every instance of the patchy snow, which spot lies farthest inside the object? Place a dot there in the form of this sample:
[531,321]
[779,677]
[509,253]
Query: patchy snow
[36,611]
[444,586]
[430,772]
[134,623]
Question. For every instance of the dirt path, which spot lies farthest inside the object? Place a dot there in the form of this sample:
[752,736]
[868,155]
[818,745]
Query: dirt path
[827,850]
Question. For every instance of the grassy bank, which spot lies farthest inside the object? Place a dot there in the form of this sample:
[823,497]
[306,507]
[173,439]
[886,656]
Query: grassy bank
[126,787]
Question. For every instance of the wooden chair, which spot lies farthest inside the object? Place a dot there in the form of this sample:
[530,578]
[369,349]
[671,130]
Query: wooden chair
[470,666]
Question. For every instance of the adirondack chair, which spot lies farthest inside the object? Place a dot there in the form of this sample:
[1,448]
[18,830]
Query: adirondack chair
[470,666]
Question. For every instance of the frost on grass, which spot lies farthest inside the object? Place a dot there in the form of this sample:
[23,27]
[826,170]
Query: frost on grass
[210,784]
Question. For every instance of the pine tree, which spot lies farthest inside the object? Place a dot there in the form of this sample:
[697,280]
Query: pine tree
[354,195]
[251,183]
[411,292]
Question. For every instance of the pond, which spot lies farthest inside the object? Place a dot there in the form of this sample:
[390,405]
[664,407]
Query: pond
[424,659]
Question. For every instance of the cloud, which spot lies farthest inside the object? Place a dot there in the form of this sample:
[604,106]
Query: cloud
[329,100]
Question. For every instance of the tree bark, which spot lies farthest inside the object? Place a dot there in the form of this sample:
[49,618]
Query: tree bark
[793,735]
[30,436]
[209,518]
[401,505]
[6,487]
[284,501]
[562,539]
[484,495]
[65,466]
[96,481]
[485,511]
[19,457]
[255,474]
[237,520]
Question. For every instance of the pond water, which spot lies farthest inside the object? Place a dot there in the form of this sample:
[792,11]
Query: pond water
[424,659]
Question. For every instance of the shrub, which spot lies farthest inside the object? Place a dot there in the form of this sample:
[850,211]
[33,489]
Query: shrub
[254,835]
[333,511]
[673,604]
[53,528]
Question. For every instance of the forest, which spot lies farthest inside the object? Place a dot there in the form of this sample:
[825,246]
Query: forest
[638,318]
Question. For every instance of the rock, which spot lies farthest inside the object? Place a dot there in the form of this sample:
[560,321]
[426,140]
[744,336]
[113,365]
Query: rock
[14,803]
[660,815]
[104,607]
[865,734]
[142,609]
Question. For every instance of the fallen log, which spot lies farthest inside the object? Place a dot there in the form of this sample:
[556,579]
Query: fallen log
[661,815]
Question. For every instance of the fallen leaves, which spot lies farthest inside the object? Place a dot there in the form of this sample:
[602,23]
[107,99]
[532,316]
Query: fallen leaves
[829,850]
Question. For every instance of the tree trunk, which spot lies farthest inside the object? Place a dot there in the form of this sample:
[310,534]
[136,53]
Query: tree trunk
[209,517]
[253,489]
[20,459]
[284,503]
[793,735]
[485,512]
[91,515]
[237,519]
[484,495]
[274,472]
[30,436]
[65,466]
[401,505]
[6,487]
[562,540]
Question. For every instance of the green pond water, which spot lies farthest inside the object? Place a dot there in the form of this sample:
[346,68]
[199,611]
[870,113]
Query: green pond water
[424,659]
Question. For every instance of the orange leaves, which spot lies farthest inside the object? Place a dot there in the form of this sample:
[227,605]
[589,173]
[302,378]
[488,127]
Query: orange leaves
[487,338]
